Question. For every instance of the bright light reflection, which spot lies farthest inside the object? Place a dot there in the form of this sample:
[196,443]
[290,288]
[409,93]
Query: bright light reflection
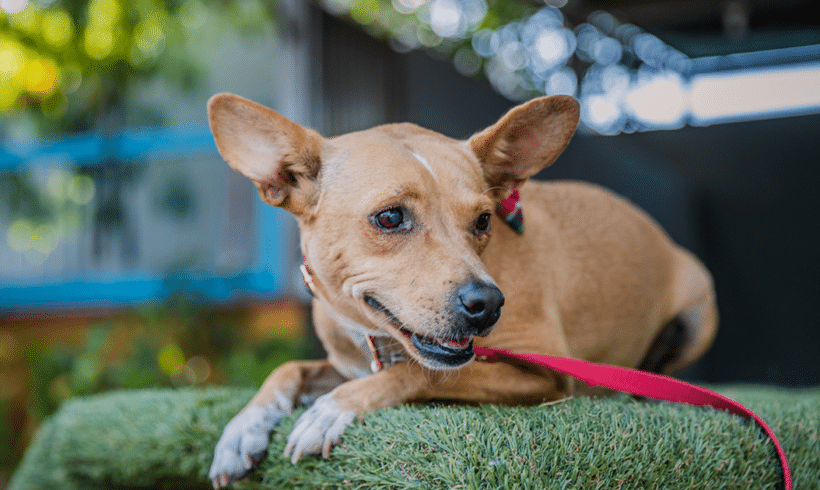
[474,12]
[513,55]
[446,18]
[41,77]
[562,82]
[13,6]
[408,6]
[58,28]
[531,55]
[659,102]
[12,60]
[485,42]
[551,47]
[648,48]
[615,79]
[601,113]
[753,94]
[606,51]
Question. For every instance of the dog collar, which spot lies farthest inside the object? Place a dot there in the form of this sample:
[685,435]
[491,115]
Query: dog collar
[509,210]
[383,354]
[307,276]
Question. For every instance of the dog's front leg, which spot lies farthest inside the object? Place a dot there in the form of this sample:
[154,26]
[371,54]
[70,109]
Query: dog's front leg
[246,437]
[321,426]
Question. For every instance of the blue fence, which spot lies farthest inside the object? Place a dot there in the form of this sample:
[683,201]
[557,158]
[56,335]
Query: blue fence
[265,278]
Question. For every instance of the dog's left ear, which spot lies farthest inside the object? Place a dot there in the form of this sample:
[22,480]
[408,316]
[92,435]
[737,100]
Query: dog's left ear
[527,139]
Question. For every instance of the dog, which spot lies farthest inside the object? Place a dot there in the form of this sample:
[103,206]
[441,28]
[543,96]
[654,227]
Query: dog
[410,266]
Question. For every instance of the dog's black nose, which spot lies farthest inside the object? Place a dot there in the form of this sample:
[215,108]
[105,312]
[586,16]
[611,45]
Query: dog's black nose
[480,305]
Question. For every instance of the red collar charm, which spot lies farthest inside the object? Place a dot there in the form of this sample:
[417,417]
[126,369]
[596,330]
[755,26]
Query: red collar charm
[509,210]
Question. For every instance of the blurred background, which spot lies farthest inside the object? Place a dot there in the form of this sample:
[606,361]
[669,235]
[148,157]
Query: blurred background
[131,256]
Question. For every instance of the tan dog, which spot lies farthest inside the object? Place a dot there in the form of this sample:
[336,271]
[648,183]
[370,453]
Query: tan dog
[396,226]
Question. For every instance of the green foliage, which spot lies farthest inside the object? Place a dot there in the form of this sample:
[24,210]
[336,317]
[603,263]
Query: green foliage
[156,439]
[179,343]
[8,458]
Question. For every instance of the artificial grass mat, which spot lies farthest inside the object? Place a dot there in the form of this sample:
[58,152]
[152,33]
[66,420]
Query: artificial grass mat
[165,439]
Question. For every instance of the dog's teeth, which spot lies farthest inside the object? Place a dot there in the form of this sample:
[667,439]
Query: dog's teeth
[456,343]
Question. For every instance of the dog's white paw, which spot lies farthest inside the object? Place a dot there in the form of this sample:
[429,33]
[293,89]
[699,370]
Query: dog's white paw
[243,444]
[318,429]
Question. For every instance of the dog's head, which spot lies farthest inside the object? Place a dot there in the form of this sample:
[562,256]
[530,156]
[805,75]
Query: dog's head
[393,220]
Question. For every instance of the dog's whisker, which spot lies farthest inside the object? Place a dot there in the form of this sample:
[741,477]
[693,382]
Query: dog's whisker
[494,188]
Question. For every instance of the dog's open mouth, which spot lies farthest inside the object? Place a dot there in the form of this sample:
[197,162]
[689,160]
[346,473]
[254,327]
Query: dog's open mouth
[440,351]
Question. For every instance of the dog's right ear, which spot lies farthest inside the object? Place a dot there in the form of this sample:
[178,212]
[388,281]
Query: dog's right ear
[525,140]
[281,157]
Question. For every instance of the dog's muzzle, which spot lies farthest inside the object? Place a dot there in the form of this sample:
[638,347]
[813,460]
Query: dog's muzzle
[477,309]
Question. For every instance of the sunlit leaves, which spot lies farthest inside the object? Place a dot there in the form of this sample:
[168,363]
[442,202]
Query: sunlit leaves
[58,28]
[12,69]
[365,11]
[64,58]
[41,77]
[149,40]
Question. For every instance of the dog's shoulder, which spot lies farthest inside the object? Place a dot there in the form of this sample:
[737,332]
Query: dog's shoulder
[563,189]
[572,197]
[581,209]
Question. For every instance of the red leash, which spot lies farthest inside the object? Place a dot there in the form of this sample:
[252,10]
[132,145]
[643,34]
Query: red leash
[641,383]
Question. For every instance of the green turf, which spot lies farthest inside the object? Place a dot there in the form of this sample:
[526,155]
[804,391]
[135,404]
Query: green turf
[165,439]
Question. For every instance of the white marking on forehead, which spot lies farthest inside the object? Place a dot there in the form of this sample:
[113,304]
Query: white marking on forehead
[369,195]
[425,163]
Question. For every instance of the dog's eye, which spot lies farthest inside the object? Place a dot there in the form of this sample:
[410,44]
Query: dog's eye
[482,224]
[390,219]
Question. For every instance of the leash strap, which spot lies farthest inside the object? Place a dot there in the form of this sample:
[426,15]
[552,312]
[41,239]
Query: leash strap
[640,383]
